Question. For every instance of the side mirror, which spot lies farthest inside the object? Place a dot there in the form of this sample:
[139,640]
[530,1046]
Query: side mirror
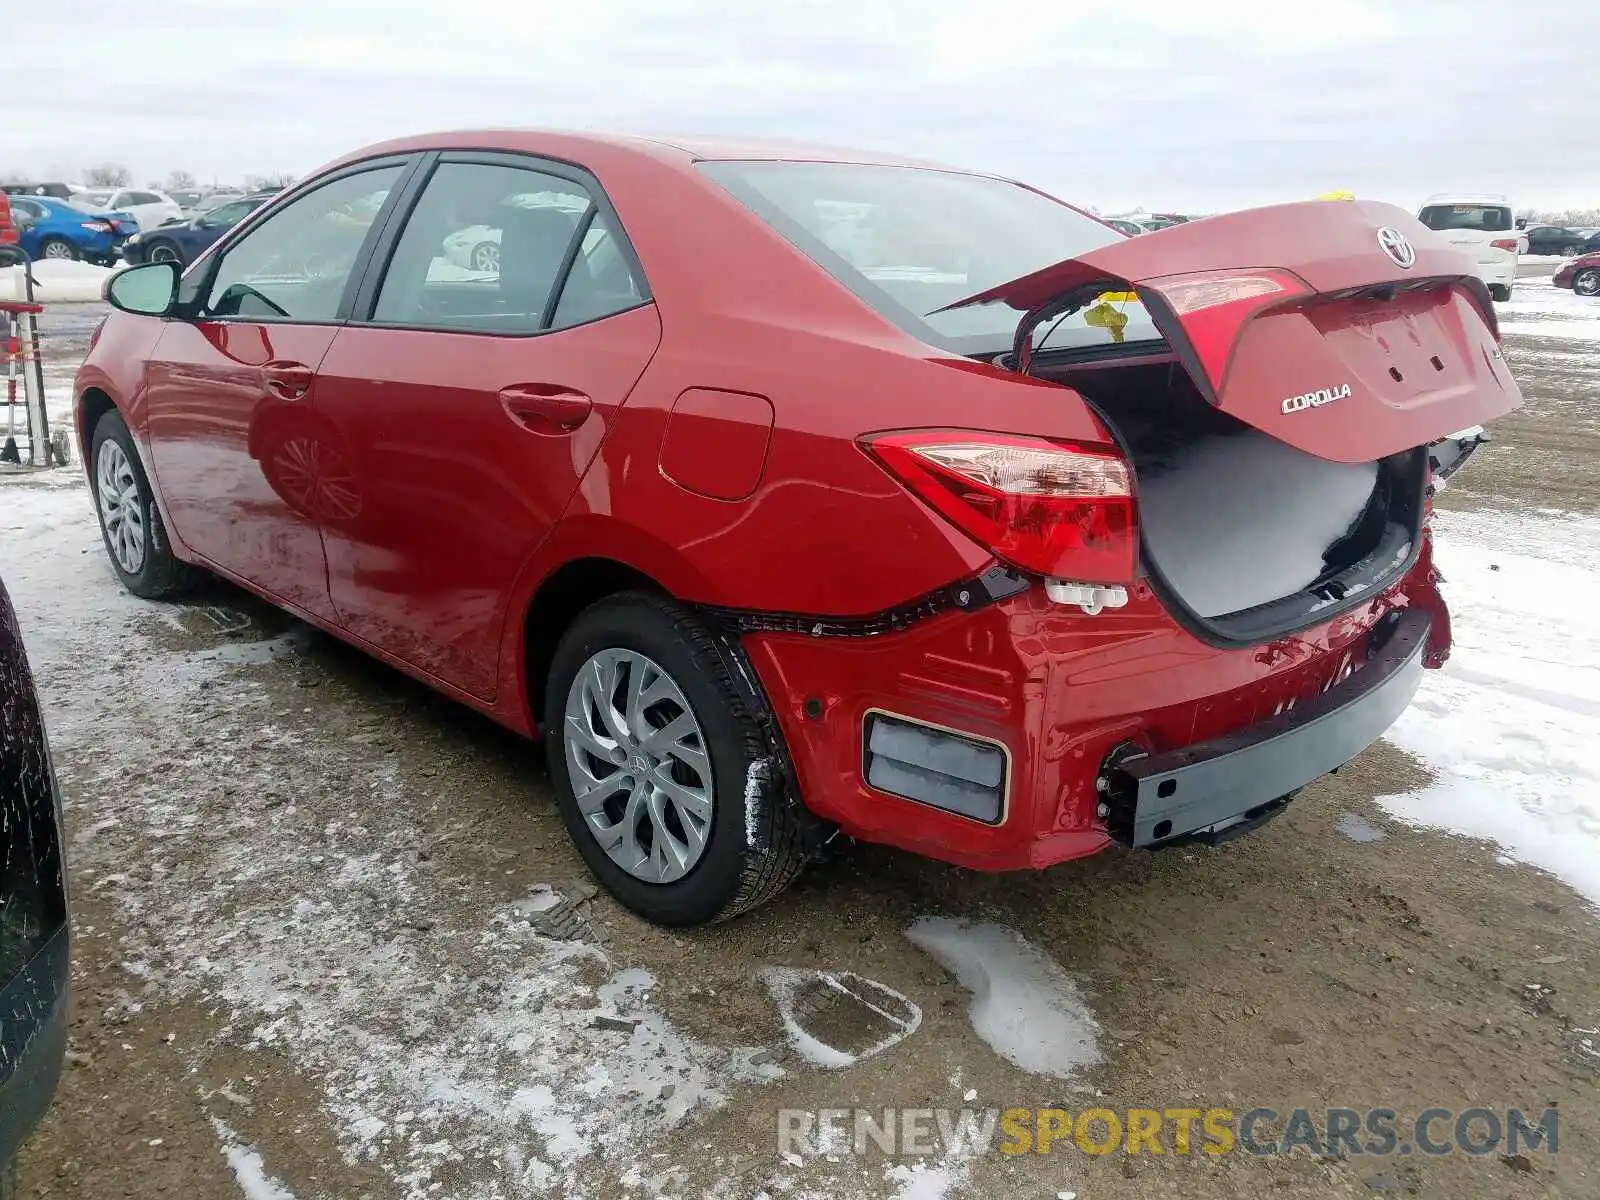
[150,289]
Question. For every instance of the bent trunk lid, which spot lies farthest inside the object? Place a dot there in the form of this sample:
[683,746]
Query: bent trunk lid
[1349,331]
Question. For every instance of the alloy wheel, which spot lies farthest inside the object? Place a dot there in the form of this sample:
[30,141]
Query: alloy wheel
[163,253]
[57,250]
[486,257]
[638,764]
[121,507]
[1587,283]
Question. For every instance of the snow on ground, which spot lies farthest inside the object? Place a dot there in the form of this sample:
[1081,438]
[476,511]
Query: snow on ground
[1538,308]
[1023,1004]
[1510,726]
[248,1168]
[57,282]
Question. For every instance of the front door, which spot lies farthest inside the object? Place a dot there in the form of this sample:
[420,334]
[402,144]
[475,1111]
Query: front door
[231,389]
[509,328]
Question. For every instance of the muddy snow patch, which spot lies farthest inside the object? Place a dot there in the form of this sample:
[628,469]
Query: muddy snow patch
[1023,1003]
[248,1168]
[834,1019]
[1509,726]
[1358,829]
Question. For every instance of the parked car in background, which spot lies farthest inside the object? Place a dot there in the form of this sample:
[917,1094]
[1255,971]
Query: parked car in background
[817,541]
[33,907]
[150,209]
[1590,243]
[54,229]
[60,191]
[1482,227]
[1127,227]
[10,235]
[1553,239]
[1582,275]
[186,241]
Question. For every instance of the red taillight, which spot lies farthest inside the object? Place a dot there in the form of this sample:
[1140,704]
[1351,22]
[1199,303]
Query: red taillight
[1052,508]
[1509,244]
[1212,307]
[97,226]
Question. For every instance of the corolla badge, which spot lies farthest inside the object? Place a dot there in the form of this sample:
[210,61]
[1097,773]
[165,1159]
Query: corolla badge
[1397,246]
[1316,399]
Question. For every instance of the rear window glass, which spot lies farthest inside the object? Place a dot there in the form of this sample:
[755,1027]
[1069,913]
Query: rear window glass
[1489,218]
[909,241]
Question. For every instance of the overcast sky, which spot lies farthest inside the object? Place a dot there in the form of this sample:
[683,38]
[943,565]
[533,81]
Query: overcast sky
[1192,105]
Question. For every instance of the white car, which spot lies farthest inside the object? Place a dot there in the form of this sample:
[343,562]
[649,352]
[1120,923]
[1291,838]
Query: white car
[150,209]
[477,247]
[1484,228]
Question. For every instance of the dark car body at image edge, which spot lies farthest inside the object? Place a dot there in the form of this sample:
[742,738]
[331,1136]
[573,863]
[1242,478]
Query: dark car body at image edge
[33,904]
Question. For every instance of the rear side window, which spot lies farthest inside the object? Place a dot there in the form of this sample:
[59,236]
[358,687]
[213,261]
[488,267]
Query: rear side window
[494,248]
[294,266]
[1486,218]
[909,241]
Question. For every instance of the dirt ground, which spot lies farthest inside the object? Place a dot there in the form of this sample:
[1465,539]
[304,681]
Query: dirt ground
[296,876]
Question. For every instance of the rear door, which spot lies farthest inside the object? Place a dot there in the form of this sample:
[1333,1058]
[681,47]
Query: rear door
[468,400]
[1345,330]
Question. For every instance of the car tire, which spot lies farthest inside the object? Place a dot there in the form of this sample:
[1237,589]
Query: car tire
[485,257]
[58,248]
[163,250]
[130,523]
[1500,292]
[751,843]
[1587,282]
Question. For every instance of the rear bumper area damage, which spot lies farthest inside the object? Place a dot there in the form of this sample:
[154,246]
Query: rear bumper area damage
[987,738]
[1235,781]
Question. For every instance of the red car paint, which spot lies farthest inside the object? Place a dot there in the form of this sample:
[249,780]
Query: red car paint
[709,443]
[1569,270]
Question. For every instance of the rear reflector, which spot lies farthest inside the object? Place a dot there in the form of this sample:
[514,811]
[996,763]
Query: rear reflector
[1504,244]
[1052,508]
[936,767]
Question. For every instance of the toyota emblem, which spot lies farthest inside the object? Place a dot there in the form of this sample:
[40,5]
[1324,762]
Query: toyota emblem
[1397,246]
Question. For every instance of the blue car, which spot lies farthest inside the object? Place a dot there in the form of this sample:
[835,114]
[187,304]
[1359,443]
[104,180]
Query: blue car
[52,228]
[185,241]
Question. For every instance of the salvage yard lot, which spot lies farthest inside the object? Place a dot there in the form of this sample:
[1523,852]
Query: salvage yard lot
[332,940]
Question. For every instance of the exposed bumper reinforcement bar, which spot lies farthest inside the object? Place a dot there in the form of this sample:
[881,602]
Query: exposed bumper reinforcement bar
[1214,789]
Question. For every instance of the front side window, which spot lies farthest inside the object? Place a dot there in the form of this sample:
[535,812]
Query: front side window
[910,240]
[295,265]
[486,250]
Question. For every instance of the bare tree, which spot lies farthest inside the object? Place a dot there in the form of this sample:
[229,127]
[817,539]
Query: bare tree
[274,179]
[108,175]
[180,181]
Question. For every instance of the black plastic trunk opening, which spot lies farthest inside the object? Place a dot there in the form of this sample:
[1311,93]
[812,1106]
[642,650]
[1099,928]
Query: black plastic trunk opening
[1243,537]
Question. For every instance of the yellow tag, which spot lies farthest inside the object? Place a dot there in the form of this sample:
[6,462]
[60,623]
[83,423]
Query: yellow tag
[1102,316]
[1117,297]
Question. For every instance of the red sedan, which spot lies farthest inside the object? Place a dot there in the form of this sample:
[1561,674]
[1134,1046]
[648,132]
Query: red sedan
[1582,275]
[790,493]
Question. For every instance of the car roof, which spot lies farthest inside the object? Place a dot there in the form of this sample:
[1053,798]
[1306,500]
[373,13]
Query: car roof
[1467,198]
[683,150]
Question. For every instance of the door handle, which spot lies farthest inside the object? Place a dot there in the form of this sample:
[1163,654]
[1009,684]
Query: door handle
[546,408]
[287,380]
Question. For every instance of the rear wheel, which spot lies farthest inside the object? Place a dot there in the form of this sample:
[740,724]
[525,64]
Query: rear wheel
[57,248]
[135,539]
[662,775]
[1587,282]
[486,256]
[1500,292]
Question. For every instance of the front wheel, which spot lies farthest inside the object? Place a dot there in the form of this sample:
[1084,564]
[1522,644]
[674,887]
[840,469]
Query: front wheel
[1587,282]
[662,775]
[163,251]
[130,522]
[1500,292]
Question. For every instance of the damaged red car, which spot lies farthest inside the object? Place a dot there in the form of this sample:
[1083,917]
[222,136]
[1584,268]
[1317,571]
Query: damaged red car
[789,493]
